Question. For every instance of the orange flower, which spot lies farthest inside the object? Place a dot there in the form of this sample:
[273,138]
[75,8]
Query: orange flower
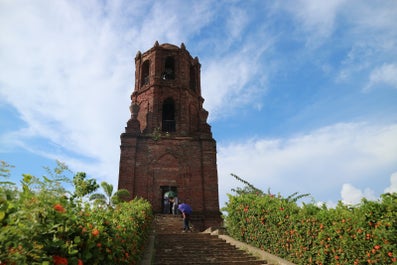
[59,260]
[377,247]
[95,232]
[59,208]
[80,262]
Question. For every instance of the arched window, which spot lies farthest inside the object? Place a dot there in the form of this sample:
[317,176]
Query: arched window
[193,78]
[168,122]
[169,69]
[145,73]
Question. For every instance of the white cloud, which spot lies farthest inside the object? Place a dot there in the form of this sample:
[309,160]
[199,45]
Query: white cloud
[316,18]
[357,60]
[371,33]
[68,69]
[224,79]
[237,22]
[373,16]
[67,75]
[352,195]
[331,28]
[162,21]
[393,184]
[232,81]
[383,75]
[319,162]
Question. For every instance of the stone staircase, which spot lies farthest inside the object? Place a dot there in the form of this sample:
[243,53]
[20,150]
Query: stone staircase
[172,246]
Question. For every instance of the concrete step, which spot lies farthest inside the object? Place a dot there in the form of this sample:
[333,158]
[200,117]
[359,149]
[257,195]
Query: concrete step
[174,247]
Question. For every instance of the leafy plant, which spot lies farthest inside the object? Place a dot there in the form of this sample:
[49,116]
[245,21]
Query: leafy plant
[83,186]
[5,169]
[43,223]
[248,188]
[109,198]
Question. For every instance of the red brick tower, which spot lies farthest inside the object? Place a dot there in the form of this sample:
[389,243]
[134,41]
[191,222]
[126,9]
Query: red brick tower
[167,144]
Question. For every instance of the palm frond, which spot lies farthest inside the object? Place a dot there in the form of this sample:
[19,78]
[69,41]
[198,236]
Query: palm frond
[107,188]
[98,197]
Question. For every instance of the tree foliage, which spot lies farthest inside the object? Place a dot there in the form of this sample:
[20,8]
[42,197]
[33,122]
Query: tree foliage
[83,186]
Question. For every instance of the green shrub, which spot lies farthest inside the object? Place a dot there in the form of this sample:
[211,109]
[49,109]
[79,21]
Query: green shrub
[42,223]
[363,234]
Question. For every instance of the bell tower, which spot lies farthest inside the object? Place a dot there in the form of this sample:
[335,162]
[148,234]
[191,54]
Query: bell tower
[167,144]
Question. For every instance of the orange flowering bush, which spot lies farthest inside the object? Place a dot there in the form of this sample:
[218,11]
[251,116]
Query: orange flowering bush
[43,223]
[344,235]
[95,232]
[59,260]
[59,208]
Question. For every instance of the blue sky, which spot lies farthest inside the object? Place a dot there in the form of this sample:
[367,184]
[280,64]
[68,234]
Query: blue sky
[302,95]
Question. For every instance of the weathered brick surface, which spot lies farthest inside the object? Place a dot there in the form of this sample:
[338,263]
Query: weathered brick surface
[152,157]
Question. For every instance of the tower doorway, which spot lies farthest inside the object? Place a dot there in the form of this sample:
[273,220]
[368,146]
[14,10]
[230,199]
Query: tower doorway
[168,194]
